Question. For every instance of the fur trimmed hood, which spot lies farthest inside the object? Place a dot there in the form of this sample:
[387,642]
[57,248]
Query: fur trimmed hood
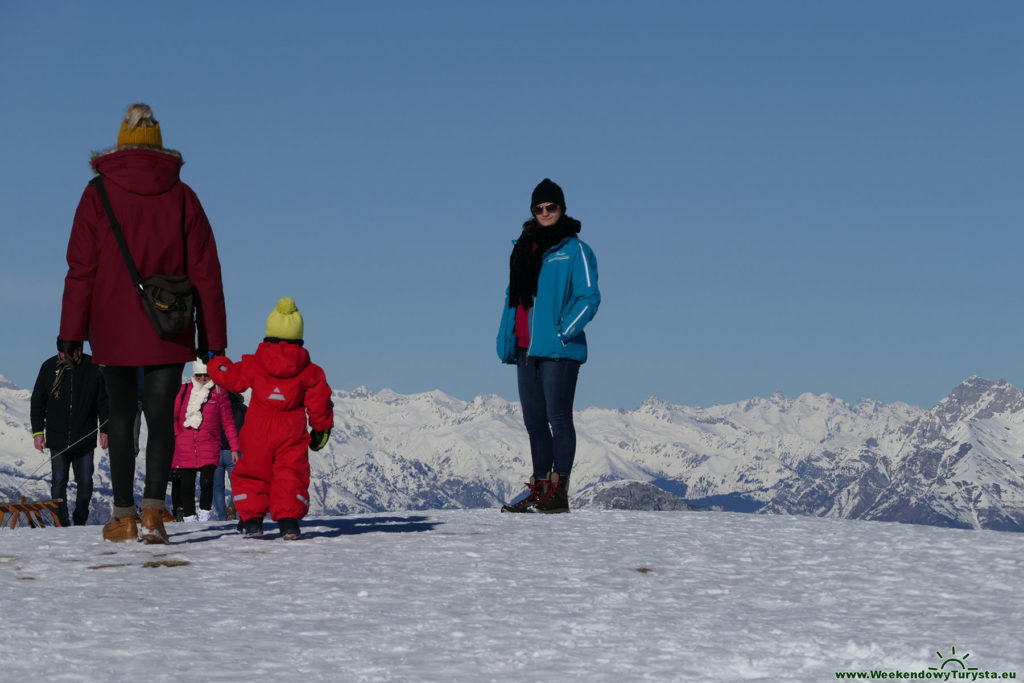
[139,169]
[96,156]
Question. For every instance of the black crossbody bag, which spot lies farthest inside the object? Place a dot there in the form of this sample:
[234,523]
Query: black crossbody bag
[167,299]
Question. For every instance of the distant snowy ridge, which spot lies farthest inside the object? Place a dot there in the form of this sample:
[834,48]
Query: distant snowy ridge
[959,464]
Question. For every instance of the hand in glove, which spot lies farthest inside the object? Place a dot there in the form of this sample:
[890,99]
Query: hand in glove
[318,439]
[70,351]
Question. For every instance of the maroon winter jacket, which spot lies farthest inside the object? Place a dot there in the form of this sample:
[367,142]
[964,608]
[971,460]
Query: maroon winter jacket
[168,234]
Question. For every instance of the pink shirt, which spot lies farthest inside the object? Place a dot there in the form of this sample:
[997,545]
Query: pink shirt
[523,323]
[522,327]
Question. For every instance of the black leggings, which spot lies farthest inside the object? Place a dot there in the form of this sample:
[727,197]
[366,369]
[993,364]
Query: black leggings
[160,387]
[183,488]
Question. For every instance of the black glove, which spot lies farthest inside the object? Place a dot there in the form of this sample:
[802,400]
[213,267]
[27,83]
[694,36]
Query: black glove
[206,355]
[318,439]
[72,351]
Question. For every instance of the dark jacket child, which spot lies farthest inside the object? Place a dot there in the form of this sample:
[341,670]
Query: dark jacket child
[287,387]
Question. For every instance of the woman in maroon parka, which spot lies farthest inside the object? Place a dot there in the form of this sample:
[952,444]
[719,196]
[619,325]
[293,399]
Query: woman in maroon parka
[167,233]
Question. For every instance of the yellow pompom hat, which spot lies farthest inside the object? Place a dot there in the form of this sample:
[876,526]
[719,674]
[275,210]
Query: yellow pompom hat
[285,321]
[139,128]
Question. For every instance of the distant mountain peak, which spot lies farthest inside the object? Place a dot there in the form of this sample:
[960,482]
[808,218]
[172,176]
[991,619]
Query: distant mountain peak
[979,398]
[653,401]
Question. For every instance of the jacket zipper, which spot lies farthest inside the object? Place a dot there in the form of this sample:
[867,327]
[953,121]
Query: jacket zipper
[195,437]
[533,309]
[71,402]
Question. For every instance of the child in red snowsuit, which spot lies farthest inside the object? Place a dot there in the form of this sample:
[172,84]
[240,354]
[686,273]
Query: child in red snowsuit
[286,387]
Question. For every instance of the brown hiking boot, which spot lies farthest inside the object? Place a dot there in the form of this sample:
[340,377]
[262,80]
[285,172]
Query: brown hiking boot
[557,497]
[151,530]
[122,530]
[537,489]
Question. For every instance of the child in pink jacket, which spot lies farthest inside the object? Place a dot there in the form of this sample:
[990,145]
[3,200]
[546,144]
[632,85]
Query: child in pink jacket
[200,410]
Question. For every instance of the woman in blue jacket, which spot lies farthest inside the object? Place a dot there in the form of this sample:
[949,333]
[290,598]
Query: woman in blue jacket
[552,295]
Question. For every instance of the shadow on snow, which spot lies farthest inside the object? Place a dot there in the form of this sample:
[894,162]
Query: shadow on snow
[322,528]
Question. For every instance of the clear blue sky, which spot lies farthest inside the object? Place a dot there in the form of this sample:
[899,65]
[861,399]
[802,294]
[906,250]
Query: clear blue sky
[794,196]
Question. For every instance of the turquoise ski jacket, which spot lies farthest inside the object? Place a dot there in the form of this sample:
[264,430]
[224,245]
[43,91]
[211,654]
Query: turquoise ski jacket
[567,299]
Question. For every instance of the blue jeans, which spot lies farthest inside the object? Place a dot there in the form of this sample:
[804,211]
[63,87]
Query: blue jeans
[547,388]
[60,467]
[225,467]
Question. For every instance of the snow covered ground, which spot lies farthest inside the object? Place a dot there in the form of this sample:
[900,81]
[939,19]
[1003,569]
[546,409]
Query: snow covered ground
[474,595]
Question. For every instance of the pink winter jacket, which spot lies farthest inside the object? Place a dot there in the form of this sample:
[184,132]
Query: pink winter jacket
[194,448]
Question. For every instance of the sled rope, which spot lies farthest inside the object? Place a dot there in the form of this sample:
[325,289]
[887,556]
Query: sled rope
[32,474]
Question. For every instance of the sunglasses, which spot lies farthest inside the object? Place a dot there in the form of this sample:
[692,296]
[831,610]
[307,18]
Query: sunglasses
[201,375]
[545,208]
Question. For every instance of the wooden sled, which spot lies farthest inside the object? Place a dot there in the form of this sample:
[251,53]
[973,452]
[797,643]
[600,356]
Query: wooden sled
[33,511]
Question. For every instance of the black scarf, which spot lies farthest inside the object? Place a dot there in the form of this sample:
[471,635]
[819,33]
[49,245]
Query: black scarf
[63,367]
[528,254]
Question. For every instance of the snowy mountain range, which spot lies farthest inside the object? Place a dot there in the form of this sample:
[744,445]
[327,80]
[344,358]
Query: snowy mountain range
[959,464]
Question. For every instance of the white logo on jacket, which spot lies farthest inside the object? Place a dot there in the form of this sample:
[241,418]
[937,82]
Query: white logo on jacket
[276,395]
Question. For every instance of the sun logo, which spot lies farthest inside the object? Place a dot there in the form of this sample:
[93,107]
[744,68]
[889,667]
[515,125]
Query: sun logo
[954,660]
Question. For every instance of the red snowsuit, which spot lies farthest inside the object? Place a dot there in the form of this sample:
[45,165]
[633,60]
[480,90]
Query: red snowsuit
[273,473]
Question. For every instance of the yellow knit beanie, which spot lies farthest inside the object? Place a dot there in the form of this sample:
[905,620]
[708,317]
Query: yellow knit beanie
[139,128]
[285,321]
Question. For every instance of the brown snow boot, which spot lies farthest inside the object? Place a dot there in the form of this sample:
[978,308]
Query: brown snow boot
[557,497]
[121,530]
[151,529]
[536,490]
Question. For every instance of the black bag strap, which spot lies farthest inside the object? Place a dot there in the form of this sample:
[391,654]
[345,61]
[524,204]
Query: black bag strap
[97,182]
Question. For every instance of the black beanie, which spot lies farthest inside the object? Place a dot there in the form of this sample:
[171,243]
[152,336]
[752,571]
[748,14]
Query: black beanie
[547,191]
